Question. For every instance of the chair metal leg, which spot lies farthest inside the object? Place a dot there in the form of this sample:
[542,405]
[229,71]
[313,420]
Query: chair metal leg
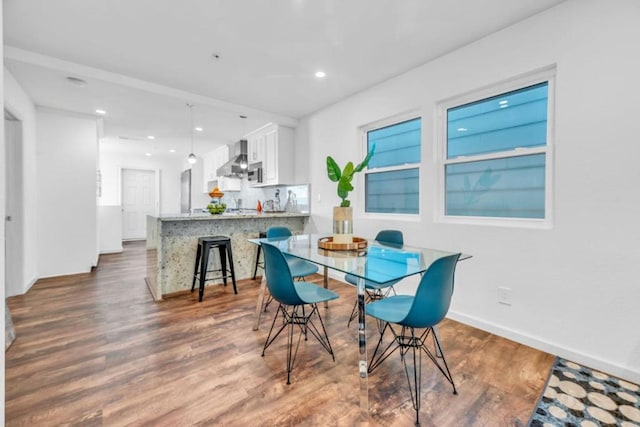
[407,341]
[413,372]
[304,321]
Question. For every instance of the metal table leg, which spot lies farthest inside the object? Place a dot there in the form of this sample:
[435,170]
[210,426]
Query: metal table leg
[362,362]
[263,289]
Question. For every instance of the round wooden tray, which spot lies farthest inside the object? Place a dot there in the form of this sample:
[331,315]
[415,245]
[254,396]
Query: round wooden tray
[327,243]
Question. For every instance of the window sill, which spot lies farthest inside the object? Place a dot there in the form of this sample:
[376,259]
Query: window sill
[541,224]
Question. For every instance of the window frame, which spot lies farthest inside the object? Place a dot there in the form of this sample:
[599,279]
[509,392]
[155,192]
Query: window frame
[378,124]
[545,75]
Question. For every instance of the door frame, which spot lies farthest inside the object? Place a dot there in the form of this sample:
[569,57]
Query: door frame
[156,185]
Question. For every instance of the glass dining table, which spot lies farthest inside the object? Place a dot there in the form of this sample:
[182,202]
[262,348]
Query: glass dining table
[377,262]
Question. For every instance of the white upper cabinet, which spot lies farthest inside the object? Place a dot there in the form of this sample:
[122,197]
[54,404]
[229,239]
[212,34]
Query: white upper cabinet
[212,161]
[272,145]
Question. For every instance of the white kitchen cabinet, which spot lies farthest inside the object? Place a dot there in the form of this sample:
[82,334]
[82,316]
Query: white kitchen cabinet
[255,147]
[212,161]
[272,145]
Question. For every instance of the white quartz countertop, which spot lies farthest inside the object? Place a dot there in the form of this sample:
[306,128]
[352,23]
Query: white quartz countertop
[227,215]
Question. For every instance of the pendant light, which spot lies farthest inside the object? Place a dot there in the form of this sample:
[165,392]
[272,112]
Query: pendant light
[192,159]
[244,161]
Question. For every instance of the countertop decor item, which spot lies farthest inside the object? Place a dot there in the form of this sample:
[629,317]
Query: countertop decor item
[216,207]
[358,243]
[343,214]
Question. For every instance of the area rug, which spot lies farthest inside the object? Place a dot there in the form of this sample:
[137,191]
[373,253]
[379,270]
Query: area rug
[578,396]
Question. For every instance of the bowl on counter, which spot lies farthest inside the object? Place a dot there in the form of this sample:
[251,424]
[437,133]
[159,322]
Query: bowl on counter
[216,209]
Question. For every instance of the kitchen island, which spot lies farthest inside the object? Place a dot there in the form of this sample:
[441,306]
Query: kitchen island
[172,241]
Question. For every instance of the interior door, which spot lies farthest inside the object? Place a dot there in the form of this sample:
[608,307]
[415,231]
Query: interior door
[138,201]
[13,229]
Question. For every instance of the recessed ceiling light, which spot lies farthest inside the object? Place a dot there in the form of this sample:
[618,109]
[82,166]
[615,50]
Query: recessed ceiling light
[76,81]
[147,154]
[320,74]
[101,112]
[151,137]
[172,151]
[462,129]
[199,129]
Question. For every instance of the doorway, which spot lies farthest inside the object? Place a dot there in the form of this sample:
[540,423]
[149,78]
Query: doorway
[14,215]
[139,199]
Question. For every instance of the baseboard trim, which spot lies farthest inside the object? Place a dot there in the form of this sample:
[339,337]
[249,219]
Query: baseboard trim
[548,346]
[111,251]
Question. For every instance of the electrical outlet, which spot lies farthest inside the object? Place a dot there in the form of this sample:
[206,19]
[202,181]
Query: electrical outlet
[504,295]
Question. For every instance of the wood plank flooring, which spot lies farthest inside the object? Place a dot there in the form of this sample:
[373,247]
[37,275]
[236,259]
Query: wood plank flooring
[95,349]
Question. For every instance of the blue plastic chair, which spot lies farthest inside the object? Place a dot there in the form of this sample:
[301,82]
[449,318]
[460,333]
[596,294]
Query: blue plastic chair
[299,267]
[292,297]
[375,291]
[424,310]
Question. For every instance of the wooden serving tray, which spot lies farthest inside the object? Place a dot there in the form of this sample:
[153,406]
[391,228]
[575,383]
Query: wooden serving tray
[327,243]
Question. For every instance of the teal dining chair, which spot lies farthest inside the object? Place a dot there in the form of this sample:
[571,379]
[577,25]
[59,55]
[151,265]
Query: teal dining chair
[424,310]
[375,291]
[292,297]
[299,267]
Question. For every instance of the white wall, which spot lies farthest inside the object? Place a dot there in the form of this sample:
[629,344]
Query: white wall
[169,167]
[109,229]
[18,103]
[2,196]
[575,286]
[66,207]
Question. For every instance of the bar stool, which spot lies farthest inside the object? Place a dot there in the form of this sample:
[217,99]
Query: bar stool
[205,244]
[262,235]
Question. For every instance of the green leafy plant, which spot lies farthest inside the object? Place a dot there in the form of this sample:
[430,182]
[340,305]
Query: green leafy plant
[344,176]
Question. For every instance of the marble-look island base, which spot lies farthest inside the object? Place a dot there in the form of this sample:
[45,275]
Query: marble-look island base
[172,242]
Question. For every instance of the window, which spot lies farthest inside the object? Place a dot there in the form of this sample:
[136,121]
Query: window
[496,154]
[393,175]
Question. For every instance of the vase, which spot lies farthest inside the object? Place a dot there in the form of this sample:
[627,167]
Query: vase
[342,224]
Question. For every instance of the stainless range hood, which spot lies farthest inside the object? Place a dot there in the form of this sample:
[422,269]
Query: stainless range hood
[237,159]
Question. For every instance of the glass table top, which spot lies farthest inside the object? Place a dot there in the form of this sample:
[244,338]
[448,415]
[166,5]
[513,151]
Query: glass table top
[378,263]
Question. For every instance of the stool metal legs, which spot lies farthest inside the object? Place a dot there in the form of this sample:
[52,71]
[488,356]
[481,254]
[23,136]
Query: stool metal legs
[201,265]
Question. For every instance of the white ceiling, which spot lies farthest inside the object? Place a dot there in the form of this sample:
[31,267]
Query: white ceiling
[143,60]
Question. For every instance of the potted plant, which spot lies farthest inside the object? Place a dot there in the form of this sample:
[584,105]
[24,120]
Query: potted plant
[343,214]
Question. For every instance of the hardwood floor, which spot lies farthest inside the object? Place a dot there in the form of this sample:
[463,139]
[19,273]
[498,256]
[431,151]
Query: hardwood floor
[95,349]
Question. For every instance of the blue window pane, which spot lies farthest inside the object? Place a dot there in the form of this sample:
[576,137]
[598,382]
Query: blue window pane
[501,123]
[512,187]
[392,192]
[397,144]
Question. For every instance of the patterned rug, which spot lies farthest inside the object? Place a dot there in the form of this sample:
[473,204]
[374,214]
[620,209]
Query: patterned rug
[577,396]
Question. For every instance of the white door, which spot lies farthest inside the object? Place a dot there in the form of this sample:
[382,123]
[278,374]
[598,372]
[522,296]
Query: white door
[13,207]
[138,201]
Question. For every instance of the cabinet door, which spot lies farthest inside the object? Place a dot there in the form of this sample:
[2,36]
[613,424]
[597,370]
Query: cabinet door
[255,146]
[270,162]
[207,166]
